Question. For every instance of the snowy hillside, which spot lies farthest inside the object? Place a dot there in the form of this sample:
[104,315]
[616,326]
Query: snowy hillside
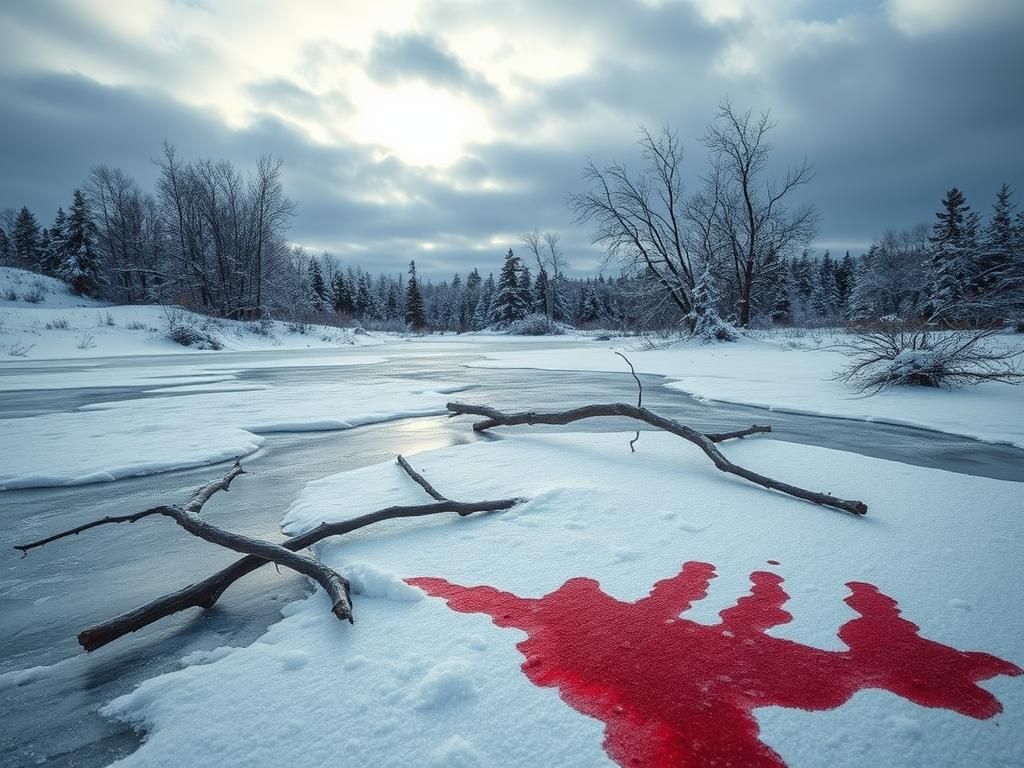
[41,319]
[20,288]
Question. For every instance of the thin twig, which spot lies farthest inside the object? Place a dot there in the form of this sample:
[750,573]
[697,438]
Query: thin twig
[639,398]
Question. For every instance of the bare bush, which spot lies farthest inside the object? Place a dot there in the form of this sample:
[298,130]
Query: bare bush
[182,328]
[888,354]
[86,341]
[536,324]
[58,324]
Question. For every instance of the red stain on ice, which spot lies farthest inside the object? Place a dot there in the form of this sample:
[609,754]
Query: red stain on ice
[674,692]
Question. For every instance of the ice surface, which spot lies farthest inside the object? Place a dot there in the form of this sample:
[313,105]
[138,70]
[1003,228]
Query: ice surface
[797,380]
[132,437]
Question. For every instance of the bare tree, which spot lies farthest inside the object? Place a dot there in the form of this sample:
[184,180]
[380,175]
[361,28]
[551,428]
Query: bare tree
[753,231]
[550,260]
[640,219]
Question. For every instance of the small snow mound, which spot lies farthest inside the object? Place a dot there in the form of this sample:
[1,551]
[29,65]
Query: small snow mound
[371,581]
[447,682]
[456,752]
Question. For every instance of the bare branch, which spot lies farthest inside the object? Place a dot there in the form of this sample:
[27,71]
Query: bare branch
[495,418]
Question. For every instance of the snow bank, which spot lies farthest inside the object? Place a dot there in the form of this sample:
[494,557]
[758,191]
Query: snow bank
[109,441]
[797,380]
[416,683]
[21,288]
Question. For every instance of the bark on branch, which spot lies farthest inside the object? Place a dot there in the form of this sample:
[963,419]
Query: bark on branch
[495,418]
[187,517]
[205,594]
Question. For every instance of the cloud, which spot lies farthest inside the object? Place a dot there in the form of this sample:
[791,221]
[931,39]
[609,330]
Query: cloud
[504,103]
[414,56]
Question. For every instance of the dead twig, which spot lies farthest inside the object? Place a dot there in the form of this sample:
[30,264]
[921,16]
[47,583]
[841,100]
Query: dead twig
[639,398]
[495,418]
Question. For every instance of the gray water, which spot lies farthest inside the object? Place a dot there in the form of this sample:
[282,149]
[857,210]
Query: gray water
[49,596]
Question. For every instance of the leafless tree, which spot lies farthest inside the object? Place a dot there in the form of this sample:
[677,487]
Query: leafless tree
[548,254]
[640,218]
[752,231]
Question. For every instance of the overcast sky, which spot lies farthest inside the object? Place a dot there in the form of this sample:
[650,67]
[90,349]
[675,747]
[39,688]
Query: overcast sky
[441,130]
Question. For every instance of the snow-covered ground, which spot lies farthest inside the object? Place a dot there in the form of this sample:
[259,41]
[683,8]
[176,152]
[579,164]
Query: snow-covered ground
[601,675]
[796,375]
[416,682]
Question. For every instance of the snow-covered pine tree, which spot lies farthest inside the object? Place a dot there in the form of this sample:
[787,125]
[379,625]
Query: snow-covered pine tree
[80,267]
[996,253]
[707,325]
[6,249]
[508,304]
[526,289]
[414,315]
[482,314]
[541,297]
[341,297]
[363,288]
[561,303]
[317,287]
[950,259]
[846,283]
[53,257]
[26,240]
[826,294]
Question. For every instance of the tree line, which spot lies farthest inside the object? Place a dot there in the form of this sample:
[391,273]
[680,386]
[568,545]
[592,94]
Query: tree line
[213,238]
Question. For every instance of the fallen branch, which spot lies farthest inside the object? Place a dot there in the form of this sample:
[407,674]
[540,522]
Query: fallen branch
[187,517]
[205,594]
[495,418]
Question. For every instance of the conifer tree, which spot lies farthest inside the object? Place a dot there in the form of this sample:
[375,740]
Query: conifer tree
[526,288]
[826,293]
[540,293]
[26,240]
[6,249]
[414,314]
[846,283]
[704,318]
[482,314]
[53,257]
[317,287]
[508,304]
[996,257]
[81,266]
[950,256]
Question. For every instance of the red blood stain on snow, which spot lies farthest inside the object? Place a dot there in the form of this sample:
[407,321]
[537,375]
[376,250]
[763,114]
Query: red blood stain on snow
[674,692]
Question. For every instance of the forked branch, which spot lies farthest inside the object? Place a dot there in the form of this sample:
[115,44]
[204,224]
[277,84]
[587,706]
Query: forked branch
[205,594]
[495,418]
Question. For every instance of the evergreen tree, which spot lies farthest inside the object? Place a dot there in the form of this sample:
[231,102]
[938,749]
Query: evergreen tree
[363,301]
[590,305]
[317,287]
[81,266]
[414,315]
[482,314]
[996,257]
[526,288]
[704,318]
[26,240]
[561,304]
[6,249]
[950,257]
[341,297]
[782,305]
[540,293]
[508,304]
[54,256]
[826,292]
[846,282]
